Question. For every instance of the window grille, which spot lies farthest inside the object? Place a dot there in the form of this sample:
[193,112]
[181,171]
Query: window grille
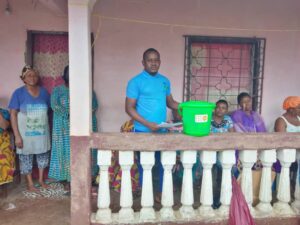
[222,67]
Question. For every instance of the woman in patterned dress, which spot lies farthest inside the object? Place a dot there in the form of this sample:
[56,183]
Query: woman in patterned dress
[60,151]
[7,155]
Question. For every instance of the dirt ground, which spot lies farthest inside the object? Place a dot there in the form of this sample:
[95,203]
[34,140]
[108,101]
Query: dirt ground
[40,211]
[45,211]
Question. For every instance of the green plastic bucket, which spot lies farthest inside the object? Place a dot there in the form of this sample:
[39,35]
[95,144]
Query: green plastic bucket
[196,117]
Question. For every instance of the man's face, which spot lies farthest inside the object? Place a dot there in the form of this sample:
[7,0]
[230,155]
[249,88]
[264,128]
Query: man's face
[151,63]
[221,109]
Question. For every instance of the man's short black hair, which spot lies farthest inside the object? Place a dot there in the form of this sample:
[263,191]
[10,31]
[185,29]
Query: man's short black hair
[148,51]
[222,101]
[241,96]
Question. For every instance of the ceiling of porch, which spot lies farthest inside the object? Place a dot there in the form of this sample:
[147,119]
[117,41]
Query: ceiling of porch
[57,7]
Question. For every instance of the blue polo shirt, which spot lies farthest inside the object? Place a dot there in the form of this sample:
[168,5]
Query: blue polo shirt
[150,93]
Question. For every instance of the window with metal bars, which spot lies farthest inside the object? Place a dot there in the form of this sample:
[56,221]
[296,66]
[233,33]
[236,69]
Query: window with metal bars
[222,67]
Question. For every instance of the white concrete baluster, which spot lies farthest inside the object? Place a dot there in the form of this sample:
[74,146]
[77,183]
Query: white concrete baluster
[188,159]
[248,158]
[267,157]
[168,159]
[147,213]
[286,157]
[126,213]
[207,158]
[103,214]
[227,159]
[296,203]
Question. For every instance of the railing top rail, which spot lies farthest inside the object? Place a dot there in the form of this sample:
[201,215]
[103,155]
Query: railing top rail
[171,142]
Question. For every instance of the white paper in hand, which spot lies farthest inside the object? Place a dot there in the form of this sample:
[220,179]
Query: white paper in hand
[169,125]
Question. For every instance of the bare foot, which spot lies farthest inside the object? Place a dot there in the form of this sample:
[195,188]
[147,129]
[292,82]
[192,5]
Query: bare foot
[94,191]
[43,185]
[32,188]
[67,186]
[157,198]
[50,180]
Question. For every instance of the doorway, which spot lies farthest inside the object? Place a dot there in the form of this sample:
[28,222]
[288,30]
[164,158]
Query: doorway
[48,53]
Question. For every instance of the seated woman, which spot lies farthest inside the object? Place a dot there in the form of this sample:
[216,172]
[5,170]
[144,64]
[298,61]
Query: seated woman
[289,122]
[221,123]
[7,155]
[245,119]
[248,121]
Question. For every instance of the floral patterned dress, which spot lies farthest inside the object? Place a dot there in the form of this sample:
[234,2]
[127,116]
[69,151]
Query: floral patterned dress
[7,155]
[60,151]
[115,172]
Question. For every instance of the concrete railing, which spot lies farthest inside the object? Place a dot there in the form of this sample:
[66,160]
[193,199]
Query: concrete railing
[266,147]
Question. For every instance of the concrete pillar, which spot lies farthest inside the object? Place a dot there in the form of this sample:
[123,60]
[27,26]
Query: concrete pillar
[147,213]
[126,213]
[80,61]
[296,203]
[248,158]
[188,159]
[227,159]
[81,181]
[168,159]
[267,157]
[286,157]
[207,158]
[103,214]
[79,12]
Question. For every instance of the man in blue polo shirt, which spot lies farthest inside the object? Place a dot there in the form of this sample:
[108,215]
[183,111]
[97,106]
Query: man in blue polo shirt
[148,95]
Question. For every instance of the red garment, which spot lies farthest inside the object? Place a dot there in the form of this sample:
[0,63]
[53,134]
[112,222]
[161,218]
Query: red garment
[239,213]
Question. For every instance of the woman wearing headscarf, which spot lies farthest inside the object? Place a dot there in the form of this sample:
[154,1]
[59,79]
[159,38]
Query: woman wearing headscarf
[290,120]
[29,106]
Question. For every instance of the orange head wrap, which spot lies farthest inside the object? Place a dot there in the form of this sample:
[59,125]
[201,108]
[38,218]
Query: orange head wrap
[291,102]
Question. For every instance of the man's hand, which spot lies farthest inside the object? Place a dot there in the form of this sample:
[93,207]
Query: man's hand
[153,126]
